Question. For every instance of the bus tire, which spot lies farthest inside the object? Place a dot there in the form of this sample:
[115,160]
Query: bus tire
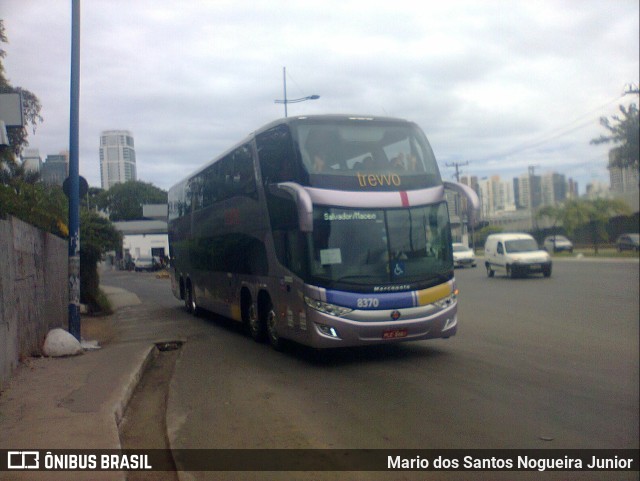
[271,320]
[256,325]
[188,297]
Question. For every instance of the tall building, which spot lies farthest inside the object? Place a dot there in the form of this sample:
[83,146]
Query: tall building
[528,190]
[31,160]
[496,196]
[55,168]
[554,188]
[117,158]
[572,189]
[623,180]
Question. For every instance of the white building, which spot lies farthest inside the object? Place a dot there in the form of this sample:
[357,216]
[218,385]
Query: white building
[496,196]
[117,157]
[144,238]
[31,160]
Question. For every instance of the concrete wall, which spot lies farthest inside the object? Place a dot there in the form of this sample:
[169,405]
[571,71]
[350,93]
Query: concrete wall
[33,290]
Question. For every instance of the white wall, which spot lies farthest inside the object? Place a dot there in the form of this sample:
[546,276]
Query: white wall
[139,245]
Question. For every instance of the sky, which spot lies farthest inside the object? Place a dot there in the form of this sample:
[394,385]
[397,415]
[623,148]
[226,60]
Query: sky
[497,86]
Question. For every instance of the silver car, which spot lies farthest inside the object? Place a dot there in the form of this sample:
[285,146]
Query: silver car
[557,243]
[463,256]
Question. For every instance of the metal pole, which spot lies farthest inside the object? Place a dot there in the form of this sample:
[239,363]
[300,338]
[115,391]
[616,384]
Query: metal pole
[74,182]
[284,82]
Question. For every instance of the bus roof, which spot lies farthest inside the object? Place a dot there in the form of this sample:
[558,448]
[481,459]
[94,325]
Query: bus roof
[292,120]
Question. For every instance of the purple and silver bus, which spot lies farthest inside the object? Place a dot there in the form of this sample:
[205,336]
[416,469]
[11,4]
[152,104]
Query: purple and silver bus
[328,230]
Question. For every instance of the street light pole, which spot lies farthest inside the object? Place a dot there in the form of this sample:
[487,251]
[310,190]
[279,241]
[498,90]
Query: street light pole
[291,101]
[74,179]
[284,83]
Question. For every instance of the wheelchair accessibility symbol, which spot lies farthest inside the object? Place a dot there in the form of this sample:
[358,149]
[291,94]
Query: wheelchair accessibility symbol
[398,269]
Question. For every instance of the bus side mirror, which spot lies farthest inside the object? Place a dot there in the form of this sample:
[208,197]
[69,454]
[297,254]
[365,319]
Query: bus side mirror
[302,200]
[473,202]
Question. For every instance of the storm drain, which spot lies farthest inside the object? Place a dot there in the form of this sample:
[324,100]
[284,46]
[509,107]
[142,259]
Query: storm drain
[144,423]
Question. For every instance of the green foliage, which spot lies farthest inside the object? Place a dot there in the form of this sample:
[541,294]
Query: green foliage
[30,105]
[97,236]
[480,236]
[40,205]
[124,201]
[592,215]
[624,131]
[46,207]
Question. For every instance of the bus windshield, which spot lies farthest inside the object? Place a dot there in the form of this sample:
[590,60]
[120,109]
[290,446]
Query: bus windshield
[363,248]
[365,155]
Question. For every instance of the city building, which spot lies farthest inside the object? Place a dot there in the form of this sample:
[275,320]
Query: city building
[623,180]
[55,169]
[496,196]
[553,188]
[117,158]
[31,160]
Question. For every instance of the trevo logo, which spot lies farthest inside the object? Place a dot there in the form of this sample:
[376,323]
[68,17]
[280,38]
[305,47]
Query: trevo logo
[23,460]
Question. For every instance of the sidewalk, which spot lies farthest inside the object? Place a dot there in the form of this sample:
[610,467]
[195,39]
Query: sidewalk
[74,402]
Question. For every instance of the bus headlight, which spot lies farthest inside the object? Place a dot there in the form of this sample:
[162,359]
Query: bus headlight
[326,308]
[446,301]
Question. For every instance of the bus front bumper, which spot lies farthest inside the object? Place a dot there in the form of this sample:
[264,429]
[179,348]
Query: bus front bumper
[326,331]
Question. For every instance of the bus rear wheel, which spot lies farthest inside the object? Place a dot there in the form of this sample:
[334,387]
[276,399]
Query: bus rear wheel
[188,297]
[190,300]
[272,331]
[257,328]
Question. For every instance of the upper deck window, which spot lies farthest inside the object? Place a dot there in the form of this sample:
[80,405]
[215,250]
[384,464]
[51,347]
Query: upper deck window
[365,155]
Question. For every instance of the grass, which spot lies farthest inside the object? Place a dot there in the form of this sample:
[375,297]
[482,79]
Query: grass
[602,252]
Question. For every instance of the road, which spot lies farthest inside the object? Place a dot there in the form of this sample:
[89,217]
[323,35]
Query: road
[537,363]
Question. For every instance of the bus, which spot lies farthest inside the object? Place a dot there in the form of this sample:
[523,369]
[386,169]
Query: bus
[325,230]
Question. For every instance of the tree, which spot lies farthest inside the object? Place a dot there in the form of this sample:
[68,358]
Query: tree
[624,130]
[591,214]
[124,201]
[30,106]
[97,236]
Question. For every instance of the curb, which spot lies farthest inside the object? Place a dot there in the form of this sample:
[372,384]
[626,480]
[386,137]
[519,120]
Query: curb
[127,391]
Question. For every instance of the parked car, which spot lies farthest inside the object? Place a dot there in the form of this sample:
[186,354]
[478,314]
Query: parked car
[145,264]
[515,255]
[557,243]
[628,242]
[463,256]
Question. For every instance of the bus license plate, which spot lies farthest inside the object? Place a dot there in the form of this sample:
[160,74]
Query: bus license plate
[394,334]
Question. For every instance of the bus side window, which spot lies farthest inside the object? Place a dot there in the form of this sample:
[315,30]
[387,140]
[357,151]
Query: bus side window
[277,158]
[244,178]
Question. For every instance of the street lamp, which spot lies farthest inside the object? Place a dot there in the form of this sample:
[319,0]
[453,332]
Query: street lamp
[291,101]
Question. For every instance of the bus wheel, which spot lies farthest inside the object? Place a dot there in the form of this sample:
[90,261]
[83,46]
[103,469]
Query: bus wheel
[190,301]
[256,325]
[272,331]
[188,297]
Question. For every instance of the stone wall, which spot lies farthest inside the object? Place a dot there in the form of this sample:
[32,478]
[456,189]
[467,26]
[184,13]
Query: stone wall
[33,290]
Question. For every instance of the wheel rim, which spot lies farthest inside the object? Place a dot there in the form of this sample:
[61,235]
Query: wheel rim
[254,323]
[271,328]
[188,299]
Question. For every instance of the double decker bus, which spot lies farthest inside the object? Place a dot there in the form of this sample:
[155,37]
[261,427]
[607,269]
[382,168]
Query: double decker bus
[327,230]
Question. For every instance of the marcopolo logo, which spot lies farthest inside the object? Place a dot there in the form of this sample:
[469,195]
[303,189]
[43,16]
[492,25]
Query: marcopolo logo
[23,460]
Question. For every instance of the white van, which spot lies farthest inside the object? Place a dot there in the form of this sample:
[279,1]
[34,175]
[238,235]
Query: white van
[515,255]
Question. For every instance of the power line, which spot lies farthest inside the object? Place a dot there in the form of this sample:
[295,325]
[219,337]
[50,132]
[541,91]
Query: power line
[457,165]
[567,129]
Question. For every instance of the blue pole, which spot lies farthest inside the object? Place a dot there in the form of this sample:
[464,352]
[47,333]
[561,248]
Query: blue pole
[74,183]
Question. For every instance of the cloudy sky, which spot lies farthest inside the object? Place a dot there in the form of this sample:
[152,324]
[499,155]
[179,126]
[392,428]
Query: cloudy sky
[502,85]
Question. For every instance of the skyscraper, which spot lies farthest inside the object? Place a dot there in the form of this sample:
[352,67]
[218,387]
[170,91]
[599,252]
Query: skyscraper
[55,168]
[117,157]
